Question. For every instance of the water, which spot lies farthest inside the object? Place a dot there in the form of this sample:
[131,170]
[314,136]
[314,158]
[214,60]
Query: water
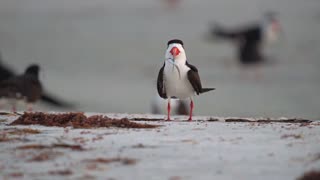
[105,55]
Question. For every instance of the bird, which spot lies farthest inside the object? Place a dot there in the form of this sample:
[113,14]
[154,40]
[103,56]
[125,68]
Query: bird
[177,78]
[6,72]
[26,87]
[250,39]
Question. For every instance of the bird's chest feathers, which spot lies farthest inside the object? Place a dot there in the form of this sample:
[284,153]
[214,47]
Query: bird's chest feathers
[176,73]
[270,35]
[177,83]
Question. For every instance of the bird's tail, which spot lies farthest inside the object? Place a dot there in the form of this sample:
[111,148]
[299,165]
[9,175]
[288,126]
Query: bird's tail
[204,90]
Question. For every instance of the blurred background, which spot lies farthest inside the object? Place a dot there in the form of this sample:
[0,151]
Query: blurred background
[104,56]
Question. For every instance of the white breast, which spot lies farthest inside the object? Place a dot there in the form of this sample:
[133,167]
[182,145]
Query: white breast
[271,36]
[178,86]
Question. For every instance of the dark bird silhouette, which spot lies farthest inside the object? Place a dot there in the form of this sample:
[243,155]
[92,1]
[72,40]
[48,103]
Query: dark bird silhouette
[177,78]
[6,72]
[26,87]
[251,38]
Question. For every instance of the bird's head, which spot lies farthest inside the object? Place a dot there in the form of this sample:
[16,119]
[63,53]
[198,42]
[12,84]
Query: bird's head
[272,25]
[175,51]
[33,69]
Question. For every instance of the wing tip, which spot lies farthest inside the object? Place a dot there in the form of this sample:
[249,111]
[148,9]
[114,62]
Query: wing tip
[203,90]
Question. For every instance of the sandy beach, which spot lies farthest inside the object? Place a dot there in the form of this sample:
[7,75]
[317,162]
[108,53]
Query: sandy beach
[206,148]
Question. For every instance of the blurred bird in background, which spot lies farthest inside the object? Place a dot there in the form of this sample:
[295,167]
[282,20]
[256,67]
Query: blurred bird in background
[26,87]
[250,39]
[6,73]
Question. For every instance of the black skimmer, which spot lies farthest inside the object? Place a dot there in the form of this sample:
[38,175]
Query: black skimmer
[6,72]
[177,78]
[250,39]
[26,87]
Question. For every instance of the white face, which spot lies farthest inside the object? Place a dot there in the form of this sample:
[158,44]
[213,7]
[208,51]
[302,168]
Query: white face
[272,31]
[176,52]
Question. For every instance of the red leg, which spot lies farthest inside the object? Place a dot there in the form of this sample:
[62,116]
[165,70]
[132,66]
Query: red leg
[2,103]
[30,109]
[191,109]
[14,108]
[169,109]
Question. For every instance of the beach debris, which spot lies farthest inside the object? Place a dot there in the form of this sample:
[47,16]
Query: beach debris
[141,146]
[45,156]
[20,131]
[76,120]
[146,119]
[13,134]
[16,175]
[39,146]
[65,172]
[295,136]
[4,138]
[290,120]
[310,175]
[124,161]
[190,141]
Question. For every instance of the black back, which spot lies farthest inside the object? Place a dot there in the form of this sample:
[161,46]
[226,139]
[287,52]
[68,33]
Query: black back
[5,72]
[26,86]
[249,40]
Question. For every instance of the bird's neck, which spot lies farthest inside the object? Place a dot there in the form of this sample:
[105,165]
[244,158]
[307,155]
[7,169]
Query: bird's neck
[269,34]
[181,61]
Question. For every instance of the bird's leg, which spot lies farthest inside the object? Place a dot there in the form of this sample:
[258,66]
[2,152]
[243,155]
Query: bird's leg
[29,107]
[169,109]
[2,103]
[14,106]
[191,109]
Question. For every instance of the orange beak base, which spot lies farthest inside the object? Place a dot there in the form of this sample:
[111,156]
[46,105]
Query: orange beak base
[276,26]
[175,51]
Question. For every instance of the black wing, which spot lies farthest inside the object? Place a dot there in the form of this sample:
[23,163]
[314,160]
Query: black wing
[9,88]
[5,72]
[194,78]
[160,84]
[250,52]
